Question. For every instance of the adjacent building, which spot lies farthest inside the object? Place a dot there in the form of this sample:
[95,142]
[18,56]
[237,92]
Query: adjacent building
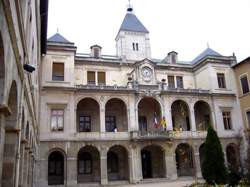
[23,28]
[128,117]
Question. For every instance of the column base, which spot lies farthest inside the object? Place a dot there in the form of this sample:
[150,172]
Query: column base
[104,181]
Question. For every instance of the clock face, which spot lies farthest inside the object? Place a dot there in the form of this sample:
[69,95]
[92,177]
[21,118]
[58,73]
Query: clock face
[146,73]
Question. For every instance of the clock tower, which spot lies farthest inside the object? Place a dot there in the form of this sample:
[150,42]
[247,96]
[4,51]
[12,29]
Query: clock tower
[132,40]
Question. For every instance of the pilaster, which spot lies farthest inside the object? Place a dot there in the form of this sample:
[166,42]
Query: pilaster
[104,168]
[193,122]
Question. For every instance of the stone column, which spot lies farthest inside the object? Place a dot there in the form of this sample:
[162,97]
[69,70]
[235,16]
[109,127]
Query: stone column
[197,165]
[104,168]
[70,172]
[135,169]
[2,137]
[192,117]
[102,119]
[170,164]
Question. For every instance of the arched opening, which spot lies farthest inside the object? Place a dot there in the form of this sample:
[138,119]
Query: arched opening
[184,160]
[202,154]
[153,164]
[88,115]
[56,168]
[116,116]
[233,162]
[2,70]
[202,115]
[88,165]
[11,139]
[180,116]
[117,163]
[149,115]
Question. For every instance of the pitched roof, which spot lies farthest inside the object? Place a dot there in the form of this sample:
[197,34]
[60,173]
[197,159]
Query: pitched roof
[132,23]
[58,38]
[206,52]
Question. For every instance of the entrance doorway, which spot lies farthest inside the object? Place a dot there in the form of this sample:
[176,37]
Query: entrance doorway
[146,164]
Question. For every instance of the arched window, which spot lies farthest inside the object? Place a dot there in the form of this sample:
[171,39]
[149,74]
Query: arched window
[113,162]
[56,168]
[84,163]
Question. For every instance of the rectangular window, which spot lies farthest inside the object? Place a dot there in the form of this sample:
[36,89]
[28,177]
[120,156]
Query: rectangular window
[171,82]
[244,84]
[91,77]
[248,119]
[85,166]
[57,116]
[110,123]
[133,46]
[137,47]
[221,80]
[58,72]
[101,78]
[227,120]
[179,82]
[84,124]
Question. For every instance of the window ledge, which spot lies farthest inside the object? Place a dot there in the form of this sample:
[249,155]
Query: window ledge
[61,82]
[244,95]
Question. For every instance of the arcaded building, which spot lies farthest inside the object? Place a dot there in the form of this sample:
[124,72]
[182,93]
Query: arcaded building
[23,28]
[129,118]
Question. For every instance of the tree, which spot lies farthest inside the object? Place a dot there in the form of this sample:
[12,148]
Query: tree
[213,167]
[248,159]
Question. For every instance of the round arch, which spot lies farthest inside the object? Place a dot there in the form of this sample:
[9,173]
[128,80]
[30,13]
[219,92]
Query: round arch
[233,157]
[88,164]
[180,115]
[184,160]
[203,117]
[149,114]
[88,115]
[153,162]
[117,163]
[116,116]
[56,167]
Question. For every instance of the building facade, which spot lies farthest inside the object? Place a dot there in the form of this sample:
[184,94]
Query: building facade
[22,41]
[127,118]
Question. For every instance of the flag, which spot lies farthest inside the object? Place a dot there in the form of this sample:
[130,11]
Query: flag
[156,124]
[163,122]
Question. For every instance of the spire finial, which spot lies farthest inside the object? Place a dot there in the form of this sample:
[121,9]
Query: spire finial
[207,45]
[57,30]
[130,8]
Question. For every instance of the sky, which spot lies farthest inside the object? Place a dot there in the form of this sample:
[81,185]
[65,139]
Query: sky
[185,26]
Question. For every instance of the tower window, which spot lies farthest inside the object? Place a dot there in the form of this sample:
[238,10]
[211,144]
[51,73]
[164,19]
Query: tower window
[133,46]
[221,80]
[58,72]
[137,47]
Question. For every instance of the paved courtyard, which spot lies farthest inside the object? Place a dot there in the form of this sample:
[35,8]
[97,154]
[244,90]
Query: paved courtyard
[179,183]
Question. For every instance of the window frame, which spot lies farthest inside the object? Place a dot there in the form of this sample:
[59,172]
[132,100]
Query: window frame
[227,120]
[240,77]
[55,77]
[85,123]
[57,129]
[173,85]
[182,84]
[85,170]
[91,82]
[109,124]
[98,82]
[221,82]
[247,119]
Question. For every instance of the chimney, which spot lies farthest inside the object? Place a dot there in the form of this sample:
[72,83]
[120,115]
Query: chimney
[172,57]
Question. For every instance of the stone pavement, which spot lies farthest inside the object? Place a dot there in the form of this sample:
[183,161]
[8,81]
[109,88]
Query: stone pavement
[179,183]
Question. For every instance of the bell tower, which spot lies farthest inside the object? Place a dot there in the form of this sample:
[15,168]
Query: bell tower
[132,40]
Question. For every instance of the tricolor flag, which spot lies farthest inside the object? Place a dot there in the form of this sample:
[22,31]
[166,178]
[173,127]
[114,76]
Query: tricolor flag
[156,124]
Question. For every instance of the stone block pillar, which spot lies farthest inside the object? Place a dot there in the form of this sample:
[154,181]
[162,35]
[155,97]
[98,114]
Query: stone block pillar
[197,165]
[192,118]
[170,164]
[104,168]
[102,119]
[135,169]
[71,172]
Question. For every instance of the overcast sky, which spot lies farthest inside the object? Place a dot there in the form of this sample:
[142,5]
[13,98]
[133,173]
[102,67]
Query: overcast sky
[185,26]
